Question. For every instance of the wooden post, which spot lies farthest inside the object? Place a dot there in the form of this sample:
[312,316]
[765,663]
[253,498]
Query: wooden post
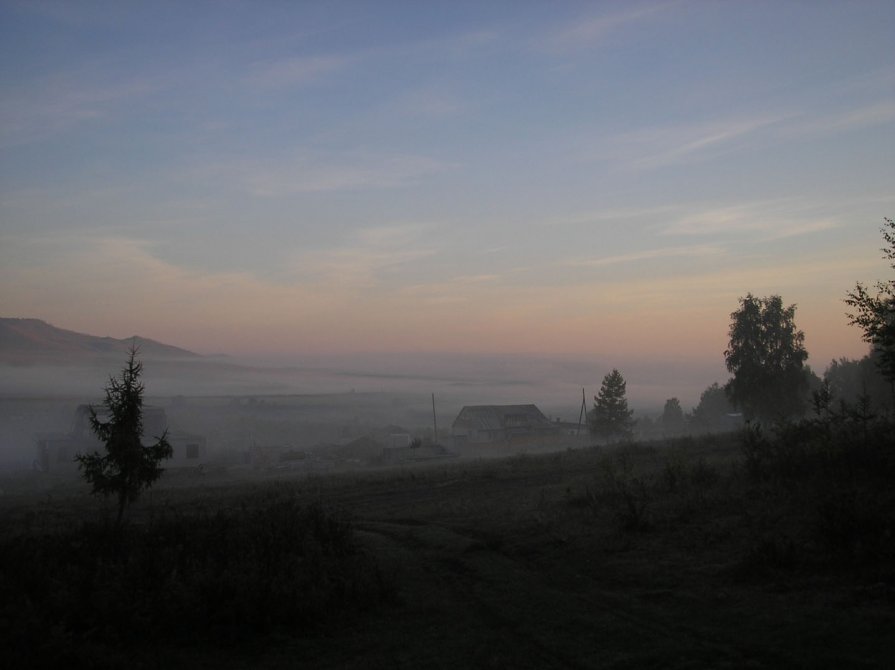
[582,413]
[434,421]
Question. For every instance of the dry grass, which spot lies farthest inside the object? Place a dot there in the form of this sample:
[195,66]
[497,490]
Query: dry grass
[670,554]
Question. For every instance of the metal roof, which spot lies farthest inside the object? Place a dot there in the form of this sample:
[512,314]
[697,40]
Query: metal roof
[500,417]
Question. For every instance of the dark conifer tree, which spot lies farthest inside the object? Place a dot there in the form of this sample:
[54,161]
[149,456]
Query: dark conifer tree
[127,467]
[610,418]
[672,417]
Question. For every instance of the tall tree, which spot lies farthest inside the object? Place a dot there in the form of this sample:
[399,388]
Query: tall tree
[766,355]
[127,466]
[610,418]
[875,313]
[672,417]
[850,380]
[711,412]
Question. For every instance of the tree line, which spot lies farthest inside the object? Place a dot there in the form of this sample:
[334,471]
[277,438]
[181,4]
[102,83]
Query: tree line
[770,381]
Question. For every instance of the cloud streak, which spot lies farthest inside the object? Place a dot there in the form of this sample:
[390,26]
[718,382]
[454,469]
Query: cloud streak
[58,103]
[293,72]
[767,220]
[612,215]
[367,260]
[432,102]
[311,172]
[653,148]
[699,251]
[589,31]
[872,114]
[663,146]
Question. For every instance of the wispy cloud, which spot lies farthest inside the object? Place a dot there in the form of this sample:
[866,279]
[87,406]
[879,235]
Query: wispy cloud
[355,268]
[294,71]
[659,147]
[454,291]
[393,235]
[435,102]
[867,83]
[364,173]
[365,259]
[712,221]
[139,289]
[776,231]
[611,215]
[453,46]
[590,30]
[314,173]
[474,279]
[140,292]
[291,72]
[873,114]
[650,254]
[771,219]
[767,220]
[58,103]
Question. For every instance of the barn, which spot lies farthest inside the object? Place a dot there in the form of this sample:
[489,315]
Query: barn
[489,424]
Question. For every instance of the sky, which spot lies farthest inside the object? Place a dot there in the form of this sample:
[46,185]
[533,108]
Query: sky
[601,180]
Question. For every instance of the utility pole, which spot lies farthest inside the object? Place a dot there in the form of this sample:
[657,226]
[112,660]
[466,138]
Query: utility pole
[434,421]
[582,413]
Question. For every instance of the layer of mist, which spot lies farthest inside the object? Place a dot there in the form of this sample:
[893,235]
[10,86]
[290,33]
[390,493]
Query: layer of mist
[329,398]
[553,381]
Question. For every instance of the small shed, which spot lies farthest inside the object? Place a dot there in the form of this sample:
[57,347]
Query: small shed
[484,424]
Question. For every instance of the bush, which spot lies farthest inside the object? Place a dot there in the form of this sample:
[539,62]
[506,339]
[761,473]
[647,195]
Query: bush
[833,472]
[627,494]
[855,529]
[220,577]
[775,457]
[690,482]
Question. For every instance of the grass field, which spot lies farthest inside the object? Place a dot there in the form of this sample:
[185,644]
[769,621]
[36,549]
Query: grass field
[720,551]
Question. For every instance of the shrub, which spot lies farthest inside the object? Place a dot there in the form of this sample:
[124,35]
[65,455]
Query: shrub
[833,472]
[854,528]
[221,577]
[689,482]
[627,494]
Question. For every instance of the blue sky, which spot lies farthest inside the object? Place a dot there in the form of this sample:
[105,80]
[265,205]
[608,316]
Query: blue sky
[598,179]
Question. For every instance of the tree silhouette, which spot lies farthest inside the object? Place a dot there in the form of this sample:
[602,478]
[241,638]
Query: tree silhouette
[127,467]
[713,407]
[610,418]
[766,355]
[672,417]
[875,314]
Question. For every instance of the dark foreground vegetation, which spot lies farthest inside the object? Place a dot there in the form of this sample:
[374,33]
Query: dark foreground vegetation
[772,547]
[84,595]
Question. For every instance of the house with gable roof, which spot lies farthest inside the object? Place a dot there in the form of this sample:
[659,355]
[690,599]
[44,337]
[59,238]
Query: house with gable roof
[499,424]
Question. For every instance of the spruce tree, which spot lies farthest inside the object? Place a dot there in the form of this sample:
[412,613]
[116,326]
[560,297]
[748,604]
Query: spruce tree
[610,418]
[672,417]
[127,467]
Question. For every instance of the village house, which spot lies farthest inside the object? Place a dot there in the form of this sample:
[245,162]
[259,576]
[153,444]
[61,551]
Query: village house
[490,424]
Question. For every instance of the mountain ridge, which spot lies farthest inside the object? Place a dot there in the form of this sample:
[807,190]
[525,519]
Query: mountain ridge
[24,339]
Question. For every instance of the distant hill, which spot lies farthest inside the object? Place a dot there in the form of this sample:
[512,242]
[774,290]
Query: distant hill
[32,340]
